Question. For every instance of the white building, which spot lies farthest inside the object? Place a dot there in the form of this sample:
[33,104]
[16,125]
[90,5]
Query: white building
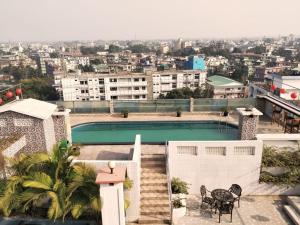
[127,86]
[164,82]
[224,87]
[95,87]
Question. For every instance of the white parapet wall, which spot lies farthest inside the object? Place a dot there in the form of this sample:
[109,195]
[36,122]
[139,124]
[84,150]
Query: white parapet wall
[133,171]
[216,164]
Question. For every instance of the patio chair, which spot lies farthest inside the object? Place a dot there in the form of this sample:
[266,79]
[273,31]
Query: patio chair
[292,126]
[224,208]
[236,190]
[276,115]
[205,199]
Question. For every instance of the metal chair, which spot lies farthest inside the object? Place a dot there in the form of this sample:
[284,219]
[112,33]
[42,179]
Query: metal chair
[205,199]
[276,114]
[237,191]
[292,126]
[224,208]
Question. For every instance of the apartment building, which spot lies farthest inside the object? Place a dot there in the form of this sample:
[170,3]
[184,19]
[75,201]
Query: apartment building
[96,87]
[127,86]
[224,87]
[165,81]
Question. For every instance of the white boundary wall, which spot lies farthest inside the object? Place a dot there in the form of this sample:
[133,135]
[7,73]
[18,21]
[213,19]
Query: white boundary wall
[216,164]
[133,171]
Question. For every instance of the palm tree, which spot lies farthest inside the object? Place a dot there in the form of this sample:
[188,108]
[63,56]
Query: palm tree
[52,179]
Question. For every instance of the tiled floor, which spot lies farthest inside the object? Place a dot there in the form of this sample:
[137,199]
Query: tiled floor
[254,210]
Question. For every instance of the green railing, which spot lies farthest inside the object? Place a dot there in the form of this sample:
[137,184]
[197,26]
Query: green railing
[160,105]
[221,104]
[166,105]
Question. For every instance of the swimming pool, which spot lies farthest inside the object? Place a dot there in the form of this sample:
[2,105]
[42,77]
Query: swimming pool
[152,132]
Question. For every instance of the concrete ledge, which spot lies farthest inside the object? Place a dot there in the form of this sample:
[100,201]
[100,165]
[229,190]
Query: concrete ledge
[278,137]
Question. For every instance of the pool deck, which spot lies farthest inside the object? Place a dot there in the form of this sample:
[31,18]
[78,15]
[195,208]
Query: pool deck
[265,125]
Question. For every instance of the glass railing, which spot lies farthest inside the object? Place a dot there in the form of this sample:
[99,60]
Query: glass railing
[159,105]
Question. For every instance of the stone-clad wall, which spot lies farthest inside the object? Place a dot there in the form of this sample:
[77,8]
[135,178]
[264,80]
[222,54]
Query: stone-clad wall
[248,127]
[60,128]
[31,127]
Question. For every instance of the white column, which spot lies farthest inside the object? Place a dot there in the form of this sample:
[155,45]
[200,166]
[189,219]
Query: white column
[112,198]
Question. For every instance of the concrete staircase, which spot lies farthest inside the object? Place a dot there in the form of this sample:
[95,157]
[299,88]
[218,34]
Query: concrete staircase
[293,209]
[155,206]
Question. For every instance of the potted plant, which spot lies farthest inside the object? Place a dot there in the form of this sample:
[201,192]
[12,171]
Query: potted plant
[178,209]
[225,111]
[178,112]
[179,189]
[125,113]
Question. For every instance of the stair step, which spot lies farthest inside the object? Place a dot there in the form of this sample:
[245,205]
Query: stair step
[146,158]
[154,219]
[153,175]
[154,170]
[152,164]
[294,201]
[158,189]
[147,181]
[153,196]
[155,203]
[292,214]
[155,210]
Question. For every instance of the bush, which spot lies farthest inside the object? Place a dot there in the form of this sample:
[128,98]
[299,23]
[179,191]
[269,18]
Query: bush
[178,186]
[288,160]
[125,113]
[177,204]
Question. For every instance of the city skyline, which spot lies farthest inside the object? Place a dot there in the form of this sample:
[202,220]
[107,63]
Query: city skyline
[134,20]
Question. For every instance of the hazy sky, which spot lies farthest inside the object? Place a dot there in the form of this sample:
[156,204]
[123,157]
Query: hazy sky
[31,20]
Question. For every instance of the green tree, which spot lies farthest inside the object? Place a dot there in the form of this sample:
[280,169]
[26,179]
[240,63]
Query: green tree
[39,88]
[41,177]
[54,55]
[257,49]
[139,48]
[114,49]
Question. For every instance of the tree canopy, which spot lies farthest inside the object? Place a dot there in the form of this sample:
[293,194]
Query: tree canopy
[186,93]
[50,181]
[139,48]
[39,88]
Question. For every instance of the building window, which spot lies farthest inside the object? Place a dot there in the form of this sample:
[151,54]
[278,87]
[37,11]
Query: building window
[114,97]
[196,76]
[174,77]
[136,88]
[101,90]
[143,79]
[136,97]
[102,97]
[101,81]
[113,88]
[143,88]
[113,80]
[3,122]
[143,96]
[174,85]
[23,122]
[136,79]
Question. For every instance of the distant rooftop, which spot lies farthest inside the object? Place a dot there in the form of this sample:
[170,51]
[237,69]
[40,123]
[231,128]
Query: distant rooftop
[220,81]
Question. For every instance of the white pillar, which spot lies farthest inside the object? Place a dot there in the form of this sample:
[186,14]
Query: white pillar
[112,195]
[112,198]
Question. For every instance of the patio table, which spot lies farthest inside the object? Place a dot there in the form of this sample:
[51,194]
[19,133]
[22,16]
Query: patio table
[222,195]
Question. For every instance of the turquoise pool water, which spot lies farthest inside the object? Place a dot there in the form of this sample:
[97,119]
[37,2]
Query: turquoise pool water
[152,132]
